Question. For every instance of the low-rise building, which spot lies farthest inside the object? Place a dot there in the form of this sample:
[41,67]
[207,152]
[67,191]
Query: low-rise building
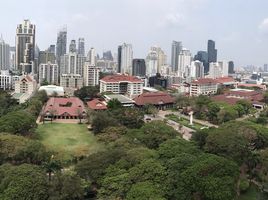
[5,80]
[64,108]
[161,100]
[97,104]
[125,101]
[204,86]
[121,84]
[24,88]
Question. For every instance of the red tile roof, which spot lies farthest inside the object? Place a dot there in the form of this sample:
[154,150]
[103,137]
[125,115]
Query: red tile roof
[121,78]
[155,98]
[97,104]
[203,81]
[60,106]
[225,79]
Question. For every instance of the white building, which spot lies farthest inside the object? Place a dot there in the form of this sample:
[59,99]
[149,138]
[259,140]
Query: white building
[121,84]
[161,57]
[215,70]
[224,65]
[5,80]
[203,86]
[73,81]
[91,56]
[126,59]
[72,63]
[152,63]
[52,90]
[4,55]
[49,72]
[196,69]
[184,62]
[91,75]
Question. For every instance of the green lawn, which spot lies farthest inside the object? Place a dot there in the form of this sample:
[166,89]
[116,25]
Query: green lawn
[68,140]
[184,122]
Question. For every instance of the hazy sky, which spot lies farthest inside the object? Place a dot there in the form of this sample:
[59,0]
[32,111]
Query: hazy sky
[239,27]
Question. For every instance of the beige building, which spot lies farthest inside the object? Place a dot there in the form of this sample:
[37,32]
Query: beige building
[91,75]
[71,82]
[203,86]
[24,88]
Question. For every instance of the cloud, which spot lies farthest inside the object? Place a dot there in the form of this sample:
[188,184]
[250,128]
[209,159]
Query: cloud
[172,20]
[263,27]
[78,17]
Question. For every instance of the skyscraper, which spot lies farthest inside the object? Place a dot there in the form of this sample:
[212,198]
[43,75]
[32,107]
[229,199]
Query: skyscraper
[72,47]
[151,63]
[25,46]
[138,67]
[91,57]
[224,65]
[212,52]
[4,55]
[107,55]
[161,57]
[184,61]
[119,55]
[175,51]
[52,49]
[231,68]
[81,46]
[91,75]
[125,58]
[61,44]
[197,69]
[202,56]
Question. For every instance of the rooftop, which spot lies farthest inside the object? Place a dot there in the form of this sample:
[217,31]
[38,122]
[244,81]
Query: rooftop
[121,78]
[155,98]
[123,99]
[203,81]
[97,104]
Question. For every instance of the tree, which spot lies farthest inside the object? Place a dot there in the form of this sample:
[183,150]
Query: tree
[23,182]
[67,186]
[200,106]
[52,166]
[87,92]
[213,109]
[144,191]
[151,110]
[114,104]
[19,122]
[245,104]
[265,97]
[154,133]
[44,82]
[102,120]
[7,103]
[227,114]
[129,117]
[111,134]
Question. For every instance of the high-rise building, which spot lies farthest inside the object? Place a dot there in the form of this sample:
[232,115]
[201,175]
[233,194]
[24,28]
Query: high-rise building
[107,55]
[25,46]
[91,56]
[12,58]
[52,49]
[202,56]
[4,55]
[161,57]
[215,70]
[175,51]
[49,72]
[151,63]
[212,52]
[61,44]
[45,57]
[72,63]
[72,47]
[138,67]
[184,62]
[224,67]
[231,67]
[265,67]
[126,58]
[91,75]
[197,70]
[81,46]
[119,56]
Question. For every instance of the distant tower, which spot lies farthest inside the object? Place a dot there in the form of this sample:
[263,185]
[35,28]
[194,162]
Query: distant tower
[91,57]
[119,56]
[25,46]
[4,55]
[125,59]
[138,67]
[184,62]
[61,44]
[175,51]
[81,46]
[212,52]
[72,47]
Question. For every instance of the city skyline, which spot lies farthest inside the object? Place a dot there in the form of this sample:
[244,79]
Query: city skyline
[239,36]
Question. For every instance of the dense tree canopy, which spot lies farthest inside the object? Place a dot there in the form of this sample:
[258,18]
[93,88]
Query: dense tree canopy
[87,92]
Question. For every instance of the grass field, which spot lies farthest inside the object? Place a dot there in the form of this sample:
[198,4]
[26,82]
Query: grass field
[68,140]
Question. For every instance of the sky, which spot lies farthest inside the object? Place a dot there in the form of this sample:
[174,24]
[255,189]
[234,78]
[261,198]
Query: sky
[239,27]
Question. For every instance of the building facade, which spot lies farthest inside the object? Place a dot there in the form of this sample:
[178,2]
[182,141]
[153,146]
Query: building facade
[25,46]
[72,63]
[197,70]
[81,46]
[204,86]
[61,44]
[138,67]
[49,72]
[4,55]
[73,81]
[184,62]
[125,57]
[5,80]
[121,84]
[175,51]
[91,75]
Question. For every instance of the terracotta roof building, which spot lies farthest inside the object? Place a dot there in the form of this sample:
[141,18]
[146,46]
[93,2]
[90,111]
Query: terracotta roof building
[64,108]
[121,84]
[203,86]
[97,104]
[159,99]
